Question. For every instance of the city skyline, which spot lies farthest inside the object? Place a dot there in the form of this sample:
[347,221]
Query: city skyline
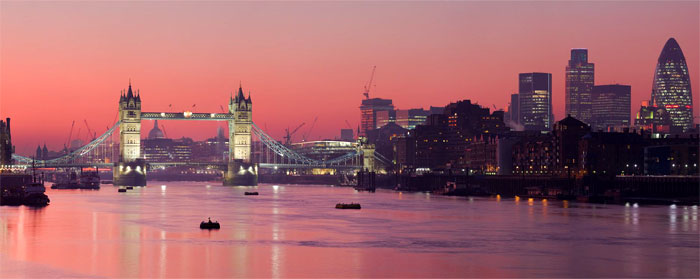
[446,68]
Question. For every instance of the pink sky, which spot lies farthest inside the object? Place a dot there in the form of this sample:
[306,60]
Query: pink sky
[65,61]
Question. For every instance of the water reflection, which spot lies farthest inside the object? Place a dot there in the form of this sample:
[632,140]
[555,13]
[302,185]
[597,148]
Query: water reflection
[294,231]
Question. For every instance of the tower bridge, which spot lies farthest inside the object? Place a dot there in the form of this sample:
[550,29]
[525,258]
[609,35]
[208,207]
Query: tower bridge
[130,168]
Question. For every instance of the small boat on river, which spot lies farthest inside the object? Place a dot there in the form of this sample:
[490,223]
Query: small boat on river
[251,193]
[209,225]
[348,206]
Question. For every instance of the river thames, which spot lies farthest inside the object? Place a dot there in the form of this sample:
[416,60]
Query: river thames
[295,231]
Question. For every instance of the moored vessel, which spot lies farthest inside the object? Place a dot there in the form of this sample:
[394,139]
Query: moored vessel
[22,189]
[348,206]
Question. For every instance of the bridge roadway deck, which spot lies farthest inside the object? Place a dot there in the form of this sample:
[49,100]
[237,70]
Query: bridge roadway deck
[186,116]
[196,164]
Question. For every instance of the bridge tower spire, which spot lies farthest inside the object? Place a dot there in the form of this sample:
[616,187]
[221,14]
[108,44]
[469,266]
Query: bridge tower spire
[241,170]
[130,170]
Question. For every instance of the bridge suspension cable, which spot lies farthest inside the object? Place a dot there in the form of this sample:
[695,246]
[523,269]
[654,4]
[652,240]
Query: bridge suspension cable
[85,149]
[292,156]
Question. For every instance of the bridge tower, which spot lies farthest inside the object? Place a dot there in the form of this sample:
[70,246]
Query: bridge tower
[241,170]
[130,170]
[367,150]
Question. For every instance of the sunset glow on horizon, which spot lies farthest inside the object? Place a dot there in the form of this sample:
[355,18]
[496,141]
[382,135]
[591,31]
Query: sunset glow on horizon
[68,61]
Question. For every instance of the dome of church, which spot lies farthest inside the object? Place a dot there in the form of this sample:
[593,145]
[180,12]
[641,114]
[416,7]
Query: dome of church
[155,133]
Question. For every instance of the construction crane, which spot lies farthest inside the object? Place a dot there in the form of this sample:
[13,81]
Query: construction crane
[90,132]
[288,137]
[310,129]
[70,135]
[348,123]
[368,87]
[162,127]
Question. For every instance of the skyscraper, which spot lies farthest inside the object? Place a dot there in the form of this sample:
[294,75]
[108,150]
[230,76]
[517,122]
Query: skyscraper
[409,118]
[368,113]
[579,84]
[535,100]
[671,87]
[610,107]
[384,117]
[513,111]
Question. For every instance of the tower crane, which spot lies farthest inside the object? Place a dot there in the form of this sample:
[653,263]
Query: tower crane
[162,127]
[348,123]
[369,85]
[288,137]
[70,135]
[90,132]
[310,129]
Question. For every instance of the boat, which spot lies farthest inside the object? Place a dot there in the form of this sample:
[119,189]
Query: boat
[251,193]
[130,187]
[209,225]
[22,189]
[89,180]
[348,206]
[35,196]
[66,181]
[363,189]
[121,190]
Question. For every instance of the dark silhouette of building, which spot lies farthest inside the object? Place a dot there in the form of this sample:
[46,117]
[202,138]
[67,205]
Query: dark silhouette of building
[671,88]
[155,133]
[6,148]
[368,113]
[383,137]
[347,135]
[566,135]
[653,118]
[610,109]
[480,155]
[512,119]
[580,75]
[610,154]
[38,154]
[441,143]
[535,99]
[555,153]
[436,110]
[167,150]
[672,156]
[405,152]
[533,155]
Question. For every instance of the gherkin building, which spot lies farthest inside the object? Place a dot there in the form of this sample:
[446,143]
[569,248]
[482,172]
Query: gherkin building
[671,88]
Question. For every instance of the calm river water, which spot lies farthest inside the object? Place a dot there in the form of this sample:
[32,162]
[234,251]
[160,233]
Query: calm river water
[295,231]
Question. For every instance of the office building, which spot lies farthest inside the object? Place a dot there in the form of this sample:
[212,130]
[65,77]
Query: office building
[671,88]
[368,113]
[610,110]
[535,98]
[580,76]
